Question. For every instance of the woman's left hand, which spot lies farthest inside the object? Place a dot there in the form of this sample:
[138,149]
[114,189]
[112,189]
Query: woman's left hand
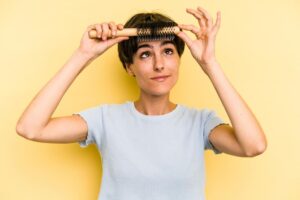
[203,47]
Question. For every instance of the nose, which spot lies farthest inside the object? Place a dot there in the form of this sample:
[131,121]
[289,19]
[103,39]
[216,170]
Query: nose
[158,63]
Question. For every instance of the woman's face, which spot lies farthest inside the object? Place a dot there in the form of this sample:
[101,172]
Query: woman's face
[155,67]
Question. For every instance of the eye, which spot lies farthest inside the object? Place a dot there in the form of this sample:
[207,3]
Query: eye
[169,51]
[145,54]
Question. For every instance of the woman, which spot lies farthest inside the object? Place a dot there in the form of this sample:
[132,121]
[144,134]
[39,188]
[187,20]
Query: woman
[151,148]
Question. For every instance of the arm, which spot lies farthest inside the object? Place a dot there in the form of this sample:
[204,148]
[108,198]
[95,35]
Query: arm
[245,137]
[36,122]
[246,131]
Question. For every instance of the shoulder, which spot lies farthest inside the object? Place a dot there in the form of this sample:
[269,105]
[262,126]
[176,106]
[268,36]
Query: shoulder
[199,112]
[105,107]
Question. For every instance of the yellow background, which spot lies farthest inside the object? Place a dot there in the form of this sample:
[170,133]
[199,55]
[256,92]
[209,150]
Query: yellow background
[257,46]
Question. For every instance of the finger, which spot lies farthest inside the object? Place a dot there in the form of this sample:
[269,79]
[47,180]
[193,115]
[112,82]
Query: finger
[99,30]
[113,29]
[202,23]
[199,16]
[218,23]
[207,16]
[185,38]
[191,28]
[105,31]
[91,27]
[120,26]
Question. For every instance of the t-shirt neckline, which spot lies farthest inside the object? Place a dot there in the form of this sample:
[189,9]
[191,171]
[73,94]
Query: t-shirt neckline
[153,117]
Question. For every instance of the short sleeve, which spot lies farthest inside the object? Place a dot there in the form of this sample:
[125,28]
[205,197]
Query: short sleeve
[93,119]
[211,120]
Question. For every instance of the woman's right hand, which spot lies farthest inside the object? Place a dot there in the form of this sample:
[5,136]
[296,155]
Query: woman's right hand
[95,47]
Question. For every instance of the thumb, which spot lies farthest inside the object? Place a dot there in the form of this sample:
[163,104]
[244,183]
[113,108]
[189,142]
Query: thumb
[185,38]
[113,41]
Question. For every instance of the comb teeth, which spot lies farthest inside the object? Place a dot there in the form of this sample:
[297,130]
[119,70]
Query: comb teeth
[156,31]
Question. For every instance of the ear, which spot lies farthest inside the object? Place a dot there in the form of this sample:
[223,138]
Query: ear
[129,70]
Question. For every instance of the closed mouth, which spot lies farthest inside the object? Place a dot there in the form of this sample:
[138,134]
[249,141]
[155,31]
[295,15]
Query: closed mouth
[160,77]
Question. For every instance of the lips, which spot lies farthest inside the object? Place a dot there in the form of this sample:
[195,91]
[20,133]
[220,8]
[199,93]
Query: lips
[160,78]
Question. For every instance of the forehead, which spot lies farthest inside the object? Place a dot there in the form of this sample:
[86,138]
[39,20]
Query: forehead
[152,44]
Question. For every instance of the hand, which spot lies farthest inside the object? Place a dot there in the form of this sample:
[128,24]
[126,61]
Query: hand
[95,47]
[203,47]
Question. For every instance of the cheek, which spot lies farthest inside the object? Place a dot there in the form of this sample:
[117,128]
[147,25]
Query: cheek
[143,69]
[143,77]
[174,79]
[174,67]
[175,72]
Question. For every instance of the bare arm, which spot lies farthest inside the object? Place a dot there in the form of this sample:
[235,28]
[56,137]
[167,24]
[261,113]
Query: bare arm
[246,137]
[37,115]
[36,123]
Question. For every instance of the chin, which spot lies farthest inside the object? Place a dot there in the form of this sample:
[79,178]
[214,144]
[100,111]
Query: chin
[159,94]
[158,91]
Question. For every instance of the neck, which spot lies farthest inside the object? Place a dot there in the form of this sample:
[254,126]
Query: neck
[154,105]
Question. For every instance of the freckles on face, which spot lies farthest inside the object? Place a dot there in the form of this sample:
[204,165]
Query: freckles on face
[155,66]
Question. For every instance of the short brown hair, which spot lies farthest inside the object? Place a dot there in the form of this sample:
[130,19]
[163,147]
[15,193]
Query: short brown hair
[128,48]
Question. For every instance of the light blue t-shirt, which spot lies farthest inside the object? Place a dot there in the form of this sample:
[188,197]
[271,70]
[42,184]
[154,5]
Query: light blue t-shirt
[150,157]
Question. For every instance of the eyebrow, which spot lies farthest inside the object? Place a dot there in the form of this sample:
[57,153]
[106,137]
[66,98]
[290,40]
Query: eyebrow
[149,46]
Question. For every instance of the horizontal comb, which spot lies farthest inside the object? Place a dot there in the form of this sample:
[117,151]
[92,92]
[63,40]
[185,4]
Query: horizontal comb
[146,31]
